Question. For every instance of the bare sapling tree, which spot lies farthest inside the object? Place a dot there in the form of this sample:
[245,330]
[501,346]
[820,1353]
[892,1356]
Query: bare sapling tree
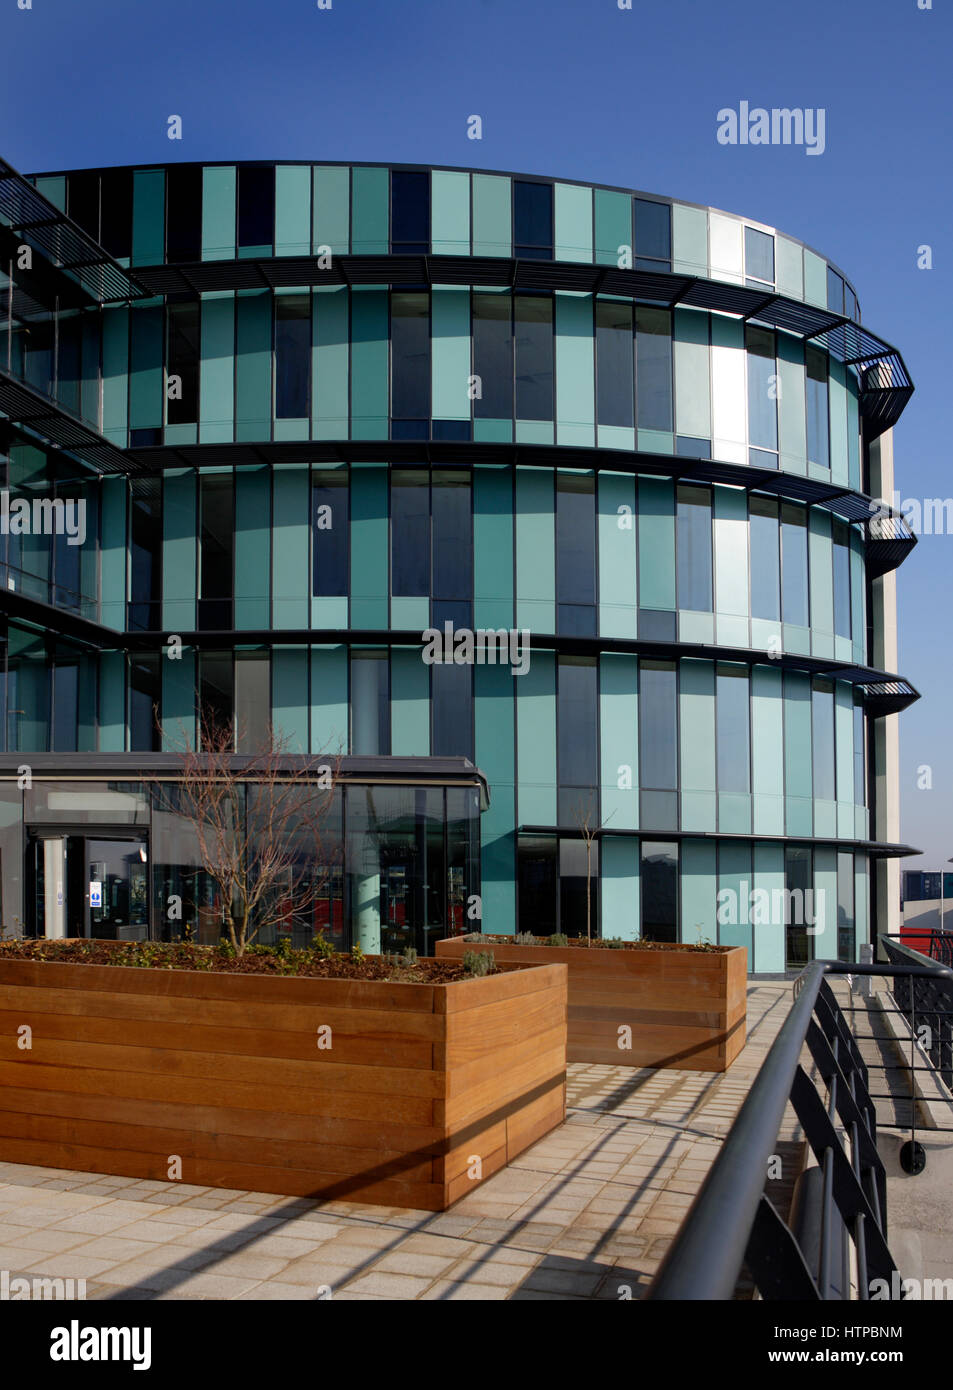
[589,828]
[260,821]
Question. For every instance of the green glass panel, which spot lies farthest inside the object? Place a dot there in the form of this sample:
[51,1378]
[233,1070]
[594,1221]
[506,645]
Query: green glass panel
[572,216]
[253,366]
[450,213]
[219,192]
[292,209]
[369,547]
[252,548]
[148,217]
[370,216]
[291,584]
[492,216]
[575,371]
[613,225]
[332,209]
[656,543]
[370,352]
[217,384]
[329,384]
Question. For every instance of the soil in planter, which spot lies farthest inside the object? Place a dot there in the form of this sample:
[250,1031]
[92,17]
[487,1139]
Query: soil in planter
[583,943]
[257,960]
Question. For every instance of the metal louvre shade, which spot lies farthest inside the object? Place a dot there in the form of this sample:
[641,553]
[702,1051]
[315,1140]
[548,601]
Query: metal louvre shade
[27,213]
[37,412]
[885,383]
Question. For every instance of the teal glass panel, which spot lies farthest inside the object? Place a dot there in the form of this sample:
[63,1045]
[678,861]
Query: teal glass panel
[253,365]
[450,327]
[115,375]
[536,740]
[689,240]
[613,227]
[853,433]
[148,217]
[838,409]
[492,215]
[450,213]
[369,547]
[410,703]
[252,548]
[844,744]
[798,755]
[822,581]
[112,702]
[53,188]
[618,587]
[767,751]
[492,547]
[731,555]
[113,552]
[219,192]
[370,213]
[858,629]
[575,371]
[145,369]
[494,722]
[370,350]
[692,375]
[217,384]
[535,551]
[656,543]
[699,892]
[815,283]
[734,895]
[329,383]
[792,406]
[619,887]
[329,710]
[824,928]
[292,209]
[178,702]
[178,550]
[289,697]
[768,925]
[332,209]
[619,726]
[790,268]
[91,350]
[697,733]
[572,215]
[291,580]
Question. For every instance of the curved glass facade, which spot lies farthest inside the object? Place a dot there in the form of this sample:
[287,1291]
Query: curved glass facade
[634,520]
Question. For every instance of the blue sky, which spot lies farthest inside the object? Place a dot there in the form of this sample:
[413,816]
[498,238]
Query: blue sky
[584,90]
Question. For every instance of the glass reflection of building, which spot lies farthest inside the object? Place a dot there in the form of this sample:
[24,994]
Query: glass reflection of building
[645,431]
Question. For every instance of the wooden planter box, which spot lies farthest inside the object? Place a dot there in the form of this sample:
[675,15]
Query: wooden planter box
[130,1067]
[685,1008]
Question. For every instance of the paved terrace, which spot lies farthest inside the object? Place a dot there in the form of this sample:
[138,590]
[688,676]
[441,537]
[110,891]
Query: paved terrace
[586,1213]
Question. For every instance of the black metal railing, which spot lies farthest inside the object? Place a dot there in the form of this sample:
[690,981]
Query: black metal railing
[926,1001]
[839,1207]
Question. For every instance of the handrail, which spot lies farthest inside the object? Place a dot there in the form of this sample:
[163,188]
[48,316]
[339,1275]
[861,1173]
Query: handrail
[705,1258]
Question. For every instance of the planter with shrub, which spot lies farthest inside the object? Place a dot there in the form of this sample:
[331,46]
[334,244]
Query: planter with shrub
[638,1003]
[390,1080]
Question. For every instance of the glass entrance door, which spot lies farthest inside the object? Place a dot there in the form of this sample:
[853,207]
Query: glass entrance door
[117,890]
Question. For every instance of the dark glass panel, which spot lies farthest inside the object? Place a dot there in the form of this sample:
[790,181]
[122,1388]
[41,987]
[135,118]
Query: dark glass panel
[794,564]
[534,358]
[184,213]
[537,869]
[329,529]
[798,880]
[658,726]
[292,356]
[615,365]
[182,397]
[410,212]
[659,890]
[216,690]
[410,534]
[765,558]
[577,720]
[410,357]
[576,918]
[532,222]
[576,554]
[144,701]
[216,550]
[759,255]
[653,376]
[452,695]
[653,233]
[732,711]
[82,201]
[694,556]
[116,212]
[493,356]
[256,205]
[818,431]
[452,536]
[370,703]
[252,701]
